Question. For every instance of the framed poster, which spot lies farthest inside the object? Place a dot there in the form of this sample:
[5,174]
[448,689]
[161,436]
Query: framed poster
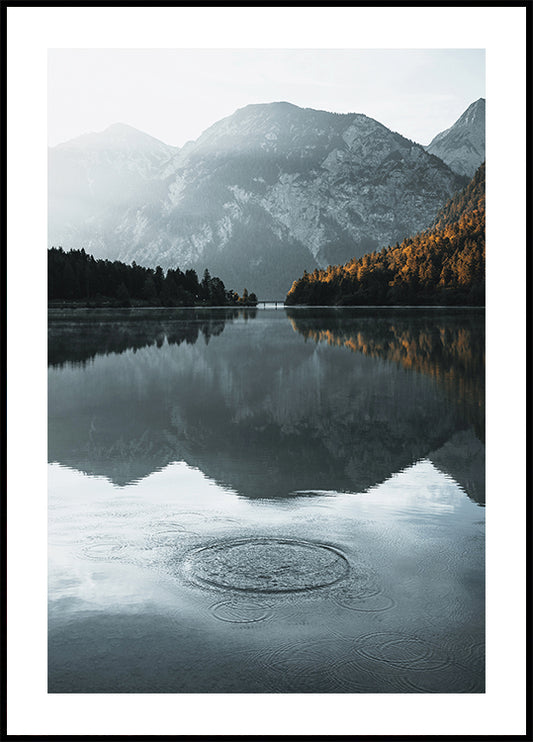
[271,507]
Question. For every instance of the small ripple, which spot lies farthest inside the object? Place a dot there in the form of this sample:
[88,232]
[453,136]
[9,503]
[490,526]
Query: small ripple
[373,604]
[362,593]
[401,651]
[104,550]
[168,525]
[233,611]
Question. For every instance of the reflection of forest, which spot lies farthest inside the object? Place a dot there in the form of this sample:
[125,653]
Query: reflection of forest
[78,337]
[257,409]
[450,348]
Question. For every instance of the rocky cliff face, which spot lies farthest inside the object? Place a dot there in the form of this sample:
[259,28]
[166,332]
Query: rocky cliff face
[259,197]
[462,146]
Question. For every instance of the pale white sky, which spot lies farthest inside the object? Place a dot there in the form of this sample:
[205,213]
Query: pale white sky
[175,94]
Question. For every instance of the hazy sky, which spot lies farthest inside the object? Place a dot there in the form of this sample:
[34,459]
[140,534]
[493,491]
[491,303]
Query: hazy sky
[175,94]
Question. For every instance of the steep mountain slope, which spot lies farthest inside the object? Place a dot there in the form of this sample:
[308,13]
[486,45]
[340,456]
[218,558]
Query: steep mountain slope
[462,146]
[441,265]
[270,191]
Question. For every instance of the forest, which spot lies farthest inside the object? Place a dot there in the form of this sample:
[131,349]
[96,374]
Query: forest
[444,265]
[77,278]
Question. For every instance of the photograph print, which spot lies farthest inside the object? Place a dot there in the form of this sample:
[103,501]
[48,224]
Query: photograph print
[266,371]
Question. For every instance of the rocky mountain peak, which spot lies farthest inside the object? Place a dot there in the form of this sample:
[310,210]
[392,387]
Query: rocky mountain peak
[462,146]
[474,114]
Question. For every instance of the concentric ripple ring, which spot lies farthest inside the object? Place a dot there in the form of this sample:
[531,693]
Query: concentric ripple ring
[232,611]
[267,565]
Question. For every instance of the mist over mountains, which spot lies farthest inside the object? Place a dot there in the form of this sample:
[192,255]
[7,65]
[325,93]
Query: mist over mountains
[259,197]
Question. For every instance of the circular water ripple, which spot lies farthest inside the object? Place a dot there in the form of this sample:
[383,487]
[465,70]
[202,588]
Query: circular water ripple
[372,604]
[362,593]
[104,550]
[168,525]
[170,535]
[267,565]
[400,650]
[233,611]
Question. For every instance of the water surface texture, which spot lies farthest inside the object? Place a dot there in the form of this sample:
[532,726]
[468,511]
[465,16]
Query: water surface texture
[266,501]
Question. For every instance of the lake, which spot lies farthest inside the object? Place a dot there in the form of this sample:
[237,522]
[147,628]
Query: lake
[266,500]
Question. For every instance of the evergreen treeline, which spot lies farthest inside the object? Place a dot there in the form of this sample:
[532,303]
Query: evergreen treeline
[78,278]
[443,265]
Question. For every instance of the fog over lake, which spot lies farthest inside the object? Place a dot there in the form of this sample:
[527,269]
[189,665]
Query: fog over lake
[266,500]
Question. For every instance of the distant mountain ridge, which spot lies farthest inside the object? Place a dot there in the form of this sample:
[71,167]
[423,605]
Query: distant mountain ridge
[94,179]
[462,146]
[260,196]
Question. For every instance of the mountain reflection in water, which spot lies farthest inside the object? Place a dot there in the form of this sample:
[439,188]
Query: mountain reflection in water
[258,406]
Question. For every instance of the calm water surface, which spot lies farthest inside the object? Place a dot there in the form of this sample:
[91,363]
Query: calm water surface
[266,501]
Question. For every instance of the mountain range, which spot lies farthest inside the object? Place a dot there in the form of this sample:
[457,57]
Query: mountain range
[258,198]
